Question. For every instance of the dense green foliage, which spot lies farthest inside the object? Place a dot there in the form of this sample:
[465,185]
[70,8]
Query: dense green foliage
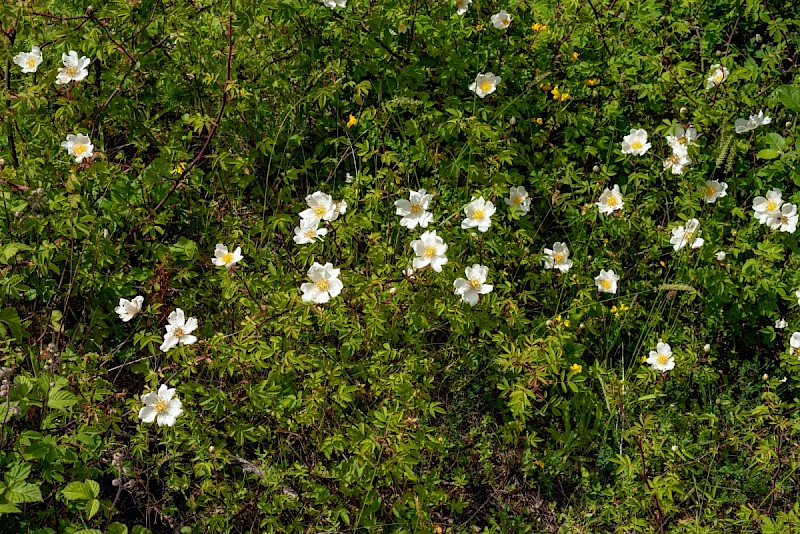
[396,407]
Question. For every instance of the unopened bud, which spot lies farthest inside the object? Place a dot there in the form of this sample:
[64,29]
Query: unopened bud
[674,448]
[707,348]
[596,168]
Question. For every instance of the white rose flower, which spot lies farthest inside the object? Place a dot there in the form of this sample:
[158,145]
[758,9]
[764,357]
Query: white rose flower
[430,250]
[223,258]
[785,219]
[682,236]
[678,138]
[501,20]
[557,257]
[635,143]
[127,309]
[324,285]
[718,75]
[79,146]
[720,255]
[661,359]
[781,323]
[794,341]
[414,210]
[74,69]
[478,215]
[348,178]
[678,162]
[606,281]
[308,232]
[163,407]
[485,84]
[610,200]
[333,4]
[462,5]
[519,200]
[713,190]
[179,330]
[743,126]
[769,206]
[471,287]
[29,61]
[320,207]
[797,294]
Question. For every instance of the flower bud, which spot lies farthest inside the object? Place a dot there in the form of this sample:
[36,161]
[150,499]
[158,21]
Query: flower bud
[707,348]
[674,448]
[596,168]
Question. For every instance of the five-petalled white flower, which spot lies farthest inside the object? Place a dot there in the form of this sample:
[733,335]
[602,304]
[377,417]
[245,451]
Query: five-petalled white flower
[224,258]
[661,359]
[686,235]
[635,143]
[519,200]
[610,200]
[414,210]
[606,281]
[501,20]
[557,257]
[478,214]
[474,285]
[746,125]
[429,250]
[769,206]
[74,69]
[29,61]
[333,4]
[79,146]
[785,219]
[162,406]
[128,309]
[462,6]
[320,207]
[485,84]
[718,75]
[324,285]
[713,190]
[179,330]
[308,232]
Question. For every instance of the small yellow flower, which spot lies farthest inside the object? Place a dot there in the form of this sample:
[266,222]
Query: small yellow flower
[479,27]
[539,463]
[564,97]
[591,82]
[538,27]
[644,359]
[576,368]
[558,318]
[545,86]
[352,121]
[556,93]
[566,323]
[178,168]
[613,309]
[539,121]
[662,263]
[575,56]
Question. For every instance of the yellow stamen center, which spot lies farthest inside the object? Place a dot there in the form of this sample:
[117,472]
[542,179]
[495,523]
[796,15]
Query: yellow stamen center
[772,205]
[662,359]
[160,406]
[430,251]
[227,257]
[505,22]
[79,149]
[718,77]
[474,283]
[322,284]
[178,332]
[416,209]
[485,86]
[558,257]
[611,201]
[31,62]
[709,191]
[478,215]
[71,71]
[605,284]
[636,145]
[688,236]
[311,234]
[320,210]
[516,200]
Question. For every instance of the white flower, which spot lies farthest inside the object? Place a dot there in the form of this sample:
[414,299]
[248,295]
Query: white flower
[223,258]
[714,189]
[478,214]
[79,146]
[29,61]
[742,125]
[678,162]
[781,323]
[519,200]
[678,138]
[348,179]
[682,236]
[324,285]
[402,27]
[610,200]
[408,272]
[178,330]
[485,84]
[501,20]
[767,207]
[74,69]
[462,5]
[163,407]
[333,4]
[606,281]
[794,341]
[127,309]
[430,250]
[720,255]
[785,219]
[661,359]
[339,208]
[320,207]
[558,257]
[797,294]
[308,232]
[635,143]
[414,210]
[471,287]
[718,75]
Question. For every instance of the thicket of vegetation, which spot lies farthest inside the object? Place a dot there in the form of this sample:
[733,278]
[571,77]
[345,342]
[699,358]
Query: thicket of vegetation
[402,266]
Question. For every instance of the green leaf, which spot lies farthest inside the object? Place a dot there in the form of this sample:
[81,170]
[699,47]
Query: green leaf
[789,96]
[768,153]
[92,508]
[92,487]
[60,399]
[10,317]
[117,528]
[776,141]
[9,508]
[17,473]
[76,491]
[21,492]
[88,531]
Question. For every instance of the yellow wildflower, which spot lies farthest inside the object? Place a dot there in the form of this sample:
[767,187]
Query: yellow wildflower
[178,169]
[539,121]
[352,121]
[556,93]
[566,323]
[539,463]
[591,82]
[576,368]
[545,86]
[537,27]
[613,309]
[575,56]
[564,97]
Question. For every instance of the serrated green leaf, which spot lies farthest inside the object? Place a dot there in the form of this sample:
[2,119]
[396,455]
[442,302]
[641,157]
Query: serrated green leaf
[76,491]
[17,473]
[9,508]
[60,399]
[117,528]
[22,492]
[10,317]
[93,487]
[88,531]
[92,508]
[789,96]
[776,141]
[768,153]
